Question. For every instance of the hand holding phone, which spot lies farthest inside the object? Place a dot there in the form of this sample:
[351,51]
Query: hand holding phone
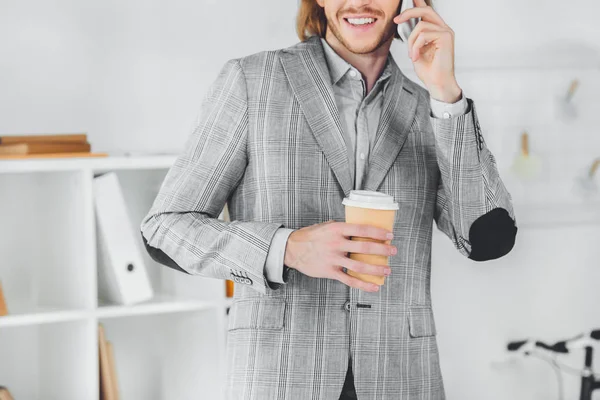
[406,28]
[430,45]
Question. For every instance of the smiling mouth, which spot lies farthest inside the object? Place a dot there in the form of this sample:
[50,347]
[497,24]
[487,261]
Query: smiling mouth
[360,21]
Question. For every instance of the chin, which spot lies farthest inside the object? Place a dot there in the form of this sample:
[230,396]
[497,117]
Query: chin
[362,43]
[362,46]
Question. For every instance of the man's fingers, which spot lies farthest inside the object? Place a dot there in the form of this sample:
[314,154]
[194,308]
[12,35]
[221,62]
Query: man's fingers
[365,231]
[424,39]
[357,246]
[363,268]
[355,283]
[426,14]
[421,26]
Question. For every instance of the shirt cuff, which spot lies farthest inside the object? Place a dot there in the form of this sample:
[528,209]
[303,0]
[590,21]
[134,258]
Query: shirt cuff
[276,256]
[442,110]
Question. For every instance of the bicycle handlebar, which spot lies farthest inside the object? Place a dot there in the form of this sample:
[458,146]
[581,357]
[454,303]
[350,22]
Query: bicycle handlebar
[563,346]
[514,346]
[559,347]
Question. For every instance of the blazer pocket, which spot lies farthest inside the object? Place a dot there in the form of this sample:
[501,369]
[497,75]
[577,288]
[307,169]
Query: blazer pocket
[420,321]
[265,314]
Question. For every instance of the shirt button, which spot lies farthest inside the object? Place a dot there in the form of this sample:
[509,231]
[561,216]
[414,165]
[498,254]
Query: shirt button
[362,156]
[353,73]
[447,115]
[347,306]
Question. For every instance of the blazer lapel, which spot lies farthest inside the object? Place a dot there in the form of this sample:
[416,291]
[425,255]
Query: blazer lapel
[306,70]
[397,114]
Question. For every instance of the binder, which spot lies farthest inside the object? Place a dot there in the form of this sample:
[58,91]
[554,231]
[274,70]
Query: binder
[122,275]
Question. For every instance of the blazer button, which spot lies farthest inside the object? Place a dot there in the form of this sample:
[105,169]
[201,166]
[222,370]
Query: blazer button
[347,306]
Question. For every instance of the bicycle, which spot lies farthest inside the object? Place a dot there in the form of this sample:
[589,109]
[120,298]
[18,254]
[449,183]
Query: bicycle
[590,381]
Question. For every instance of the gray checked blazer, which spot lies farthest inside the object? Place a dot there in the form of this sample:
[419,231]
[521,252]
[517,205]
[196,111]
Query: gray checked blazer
[270,145]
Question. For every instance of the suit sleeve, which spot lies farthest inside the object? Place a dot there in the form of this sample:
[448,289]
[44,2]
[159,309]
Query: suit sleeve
[182,229]
[473,207]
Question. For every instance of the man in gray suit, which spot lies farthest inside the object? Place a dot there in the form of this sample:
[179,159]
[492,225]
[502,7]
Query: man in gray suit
[282,138]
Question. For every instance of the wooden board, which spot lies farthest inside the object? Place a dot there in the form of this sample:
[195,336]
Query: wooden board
[52,155]
[49,147]
[61,137]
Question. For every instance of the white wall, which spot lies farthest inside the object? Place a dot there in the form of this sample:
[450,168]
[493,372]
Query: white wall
[547,287]
[132,74]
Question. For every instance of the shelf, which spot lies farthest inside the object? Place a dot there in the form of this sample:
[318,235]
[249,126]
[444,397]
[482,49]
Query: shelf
[160,304]
[41,316]
[138,162]
[50,361]
[50,335]
[168,356]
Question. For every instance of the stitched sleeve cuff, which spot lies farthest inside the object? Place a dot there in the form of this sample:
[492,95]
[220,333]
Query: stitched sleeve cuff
[276,256]
[439,109]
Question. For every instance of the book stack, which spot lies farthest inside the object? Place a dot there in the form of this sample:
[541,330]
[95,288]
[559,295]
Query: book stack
[3,308]
[46,146]
[109,385]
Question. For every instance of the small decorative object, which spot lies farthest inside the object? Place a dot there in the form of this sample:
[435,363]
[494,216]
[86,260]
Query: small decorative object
[228,288]
[3,308]
[228,283]
[526,166]
[566,108]
[586,184]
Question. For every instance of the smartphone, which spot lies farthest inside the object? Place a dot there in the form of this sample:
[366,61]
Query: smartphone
[406,28]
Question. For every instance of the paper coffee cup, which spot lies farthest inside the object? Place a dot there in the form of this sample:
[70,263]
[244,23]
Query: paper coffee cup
[370,208]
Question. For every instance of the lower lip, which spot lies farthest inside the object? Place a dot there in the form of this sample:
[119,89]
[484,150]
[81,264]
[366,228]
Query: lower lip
[361,28]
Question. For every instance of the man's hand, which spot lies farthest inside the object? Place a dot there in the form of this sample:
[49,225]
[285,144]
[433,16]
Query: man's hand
[320,251]
[431,49]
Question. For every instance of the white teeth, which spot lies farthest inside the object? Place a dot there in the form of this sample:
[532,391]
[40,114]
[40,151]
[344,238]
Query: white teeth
[361,21]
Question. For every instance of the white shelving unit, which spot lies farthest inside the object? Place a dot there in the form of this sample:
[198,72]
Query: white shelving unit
[171,347]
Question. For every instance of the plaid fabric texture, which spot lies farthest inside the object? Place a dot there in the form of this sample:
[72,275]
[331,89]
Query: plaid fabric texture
[269,143]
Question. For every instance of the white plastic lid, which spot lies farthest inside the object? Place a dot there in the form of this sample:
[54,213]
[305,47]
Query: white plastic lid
[368,199]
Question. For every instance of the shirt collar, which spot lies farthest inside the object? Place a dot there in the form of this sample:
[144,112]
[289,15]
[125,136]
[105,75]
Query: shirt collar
[338,67]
